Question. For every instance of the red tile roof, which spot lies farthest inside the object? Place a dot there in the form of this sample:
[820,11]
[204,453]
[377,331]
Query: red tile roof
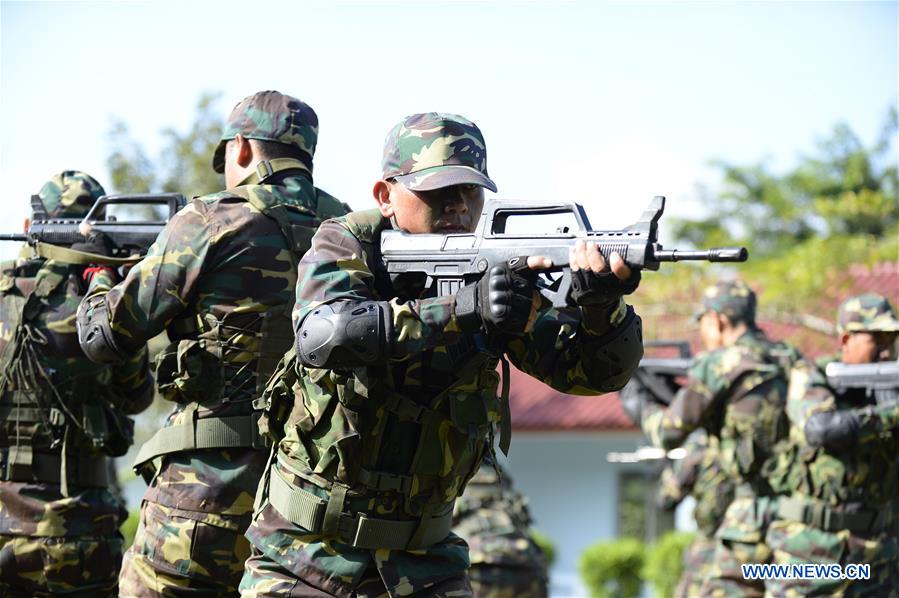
[537,407]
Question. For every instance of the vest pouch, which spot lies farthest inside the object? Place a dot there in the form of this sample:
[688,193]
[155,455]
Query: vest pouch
[277,398]
[188,372]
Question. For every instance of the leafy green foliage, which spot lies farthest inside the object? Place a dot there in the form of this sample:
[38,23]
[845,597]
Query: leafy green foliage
[185,162]
[129,528]
[546,545]
[613,568]
[664,562]
[802,227]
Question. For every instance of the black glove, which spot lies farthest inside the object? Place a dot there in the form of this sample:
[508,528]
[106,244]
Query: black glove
[590,288]
[97,243]
[501,301]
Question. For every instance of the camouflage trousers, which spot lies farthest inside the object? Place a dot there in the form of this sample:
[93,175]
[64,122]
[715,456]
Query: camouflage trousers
[266,579]
[180,552]
[76,566]
[698,560]
[795,542]
[740,540]
[497,581]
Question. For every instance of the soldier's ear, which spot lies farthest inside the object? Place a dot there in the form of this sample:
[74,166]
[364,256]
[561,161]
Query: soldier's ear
[243,151]
[381,192]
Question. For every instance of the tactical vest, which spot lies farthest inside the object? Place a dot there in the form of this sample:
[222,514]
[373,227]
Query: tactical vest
[831,491]
[748,437]
[343,418]
[191,371]
[56,424]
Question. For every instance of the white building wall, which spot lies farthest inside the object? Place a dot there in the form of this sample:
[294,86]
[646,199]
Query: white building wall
[573,491]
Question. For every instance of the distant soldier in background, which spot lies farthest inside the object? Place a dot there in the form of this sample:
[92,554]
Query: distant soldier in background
[736,391]
[839,467]
[61,419]
[494,519]
[698,474]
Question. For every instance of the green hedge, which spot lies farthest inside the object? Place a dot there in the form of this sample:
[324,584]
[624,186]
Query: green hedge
[129,527]
[613,568]
[665,562]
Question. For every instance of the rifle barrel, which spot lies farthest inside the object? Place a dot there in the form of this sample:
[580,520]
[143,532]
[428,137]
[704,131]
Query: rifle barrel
[13,237]
[715,254]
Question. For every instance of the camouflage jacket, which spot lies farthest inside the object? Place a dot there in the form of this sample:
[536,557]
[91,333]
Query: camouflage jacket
[864,473]
[699,474]
[44,371]
[737,394]
[215,272]
[419,421]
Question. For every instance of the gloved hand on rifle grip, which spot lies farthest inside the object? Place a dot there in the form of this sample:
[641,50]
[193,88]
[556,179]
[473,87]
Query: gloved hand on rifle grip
[97,243]
[503,300]
[594,282]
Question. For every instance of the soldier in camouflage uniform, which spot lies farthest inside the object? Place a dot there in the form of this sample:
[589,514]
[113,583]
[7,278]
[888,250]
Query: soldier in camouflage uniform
[493,518]
[393,395]
[219,280]
[698,474]
[736,391]
[839,467]
[61,418]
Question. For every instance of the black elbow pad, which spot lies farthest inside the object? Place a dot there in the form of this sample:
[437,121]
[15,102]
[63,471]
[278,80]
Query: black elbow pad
[95,332]
[344,335]
[832,430]
[623,345]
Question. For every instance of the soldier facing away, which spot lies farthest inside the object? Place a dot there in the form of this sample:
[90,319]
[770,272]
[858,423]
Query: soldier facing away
[839,467]
[219,280]
[62,417]
[385,427]
[736,391]
[493,518]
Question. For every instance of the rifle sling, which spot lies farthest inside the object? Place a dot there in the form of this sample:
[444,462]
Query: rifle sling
[81,258]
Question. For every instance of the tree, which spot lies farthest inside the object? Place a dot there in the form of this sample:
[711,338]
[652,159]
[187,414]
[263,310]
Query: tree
[185,163]
[803,228]
[847,189]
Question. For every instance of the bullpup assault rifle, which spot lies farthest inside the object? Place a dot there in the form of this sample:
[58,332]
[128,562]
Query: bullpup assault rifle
[51,237]
[880,380]
[450,261]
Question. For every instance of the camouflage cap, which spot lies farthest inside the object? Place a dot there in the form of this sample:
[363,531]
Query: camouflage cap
[866,313]
[70,194]
[435,150]
[733,298]
[271,116]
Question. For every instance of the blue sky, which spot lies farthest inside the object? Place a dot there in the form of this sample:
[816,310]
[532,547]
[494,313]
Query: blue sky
[603,103]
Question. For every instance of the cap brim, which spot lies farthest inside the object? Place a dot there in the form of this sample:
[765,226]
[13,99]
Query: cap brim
[885,326]
[439,177]
[218,158]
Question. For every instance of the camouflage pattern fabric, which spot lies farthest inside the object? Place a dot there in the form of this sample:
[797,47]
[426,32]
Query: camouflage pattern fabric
[219,260]
[698,474]
[494,519]
[50,543]
[271,116]
[70,194]
[867,312]
[342,429]
[699,557]
[861,478]
[436,150]
[733,298]
[737,394]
